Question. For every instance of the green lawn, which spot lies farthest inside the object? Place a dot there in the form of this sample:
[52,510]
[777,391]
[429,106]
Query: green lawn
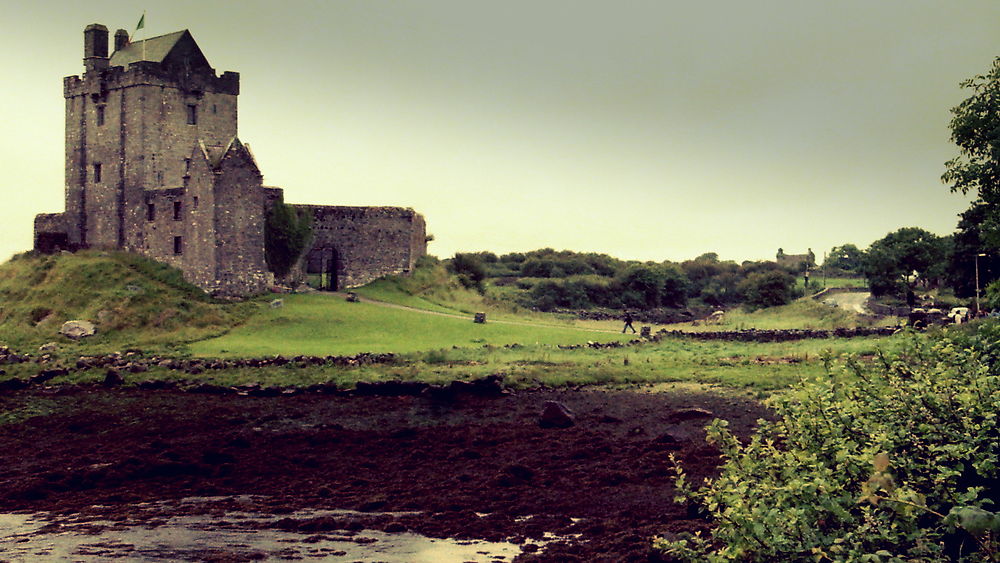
[323,324]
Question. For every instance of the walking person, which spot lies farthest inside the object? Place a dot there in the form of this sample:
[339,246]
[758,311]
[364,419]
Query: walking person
[628,323]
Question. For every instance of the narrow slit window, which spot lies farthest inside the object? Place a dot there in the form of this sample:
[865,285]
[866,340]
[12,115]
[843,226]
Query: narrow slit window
[150,211]
[178,245]
[192,114]
[177,211]
[100,115]
[97,172]
[194,201]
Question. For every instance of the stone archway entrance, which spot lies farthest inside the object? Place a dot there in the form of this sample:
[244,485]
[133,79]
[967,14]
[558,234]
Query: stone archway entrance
[323,267]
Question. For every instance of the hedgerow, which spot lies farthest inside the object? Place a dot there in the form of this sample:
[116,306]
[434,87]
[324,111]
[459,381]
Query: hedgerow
[891,460]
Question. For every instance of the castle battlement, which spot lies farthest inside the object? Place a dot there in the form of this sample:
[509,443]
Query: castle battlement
[148,73]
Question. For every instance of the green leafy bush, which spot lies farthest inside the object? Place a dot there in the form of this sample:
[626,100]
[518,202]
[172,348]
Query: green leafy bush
[287,231]
[886,462]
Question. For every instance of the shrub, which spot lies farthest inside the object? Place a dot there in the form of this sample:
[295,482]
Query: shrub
[865,464]
[469,269]
[286,233]
[767,289]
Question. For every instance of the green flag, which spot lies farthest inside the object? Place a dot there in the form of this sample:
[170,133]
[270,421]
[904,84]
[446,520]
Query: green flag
[142,22]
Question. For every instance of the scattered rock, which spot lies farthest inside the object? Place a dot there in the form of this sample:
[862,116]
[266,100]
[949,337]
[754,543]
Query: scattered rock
[556,415]
[76,330]
[688,414]
[113,377]
[277,303]
[667,440]
[480,318]
[47,374]
[49,347]
[13,384]
[353,297]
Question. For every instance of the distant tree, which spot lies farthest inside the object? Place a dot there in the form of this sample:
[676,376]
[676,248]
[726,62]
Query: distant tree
[642,285]
[905,259]
[673,290]
[538,267]
[975,128]
[287,231]
[767,289]
[469,269]
[968,244]
[847,257]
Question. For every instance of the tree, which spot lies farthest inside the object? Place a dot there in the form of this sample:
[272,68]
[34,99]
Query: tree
[287,231]
[767,289]
[469,269]
[847,257]
[905,259]
[968,245]
[975,128]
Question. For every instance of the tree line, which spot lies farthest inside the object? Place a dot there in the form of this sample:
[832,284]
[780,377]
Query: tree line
[551,279]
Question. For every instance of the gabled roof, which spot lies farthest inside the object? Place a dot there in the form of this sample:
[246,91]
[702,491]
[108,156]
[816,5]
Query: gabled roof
[215,154]
[177,49]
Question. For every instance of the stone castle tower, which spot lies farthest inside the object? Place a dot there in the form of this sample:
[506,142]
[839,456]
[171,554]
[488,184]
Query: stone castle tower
[154,166]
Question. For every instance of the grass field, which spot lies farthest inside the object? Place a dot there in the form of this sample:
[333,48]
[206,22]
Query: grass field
[325,324]
[138,303]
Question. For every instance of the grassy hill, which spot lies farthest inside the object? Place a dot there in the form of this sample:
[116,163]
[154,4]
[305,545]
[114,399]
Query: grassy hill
[133,301]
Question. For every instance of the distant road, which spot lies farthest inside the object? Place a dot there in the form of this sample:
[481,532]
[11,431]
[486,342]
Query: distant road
[849,301]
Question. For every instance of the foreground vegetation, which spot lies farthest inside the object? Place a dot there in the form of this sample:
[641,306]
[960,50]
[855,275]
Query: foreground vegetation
[892,460]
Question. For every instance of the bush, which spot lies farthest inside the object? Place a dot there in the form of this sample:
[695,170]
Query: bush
[286,233]
[886,463]
[767,289]
[469,269]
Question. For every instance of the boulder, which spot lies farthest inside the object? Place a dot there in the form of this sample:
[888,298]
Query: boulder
[277,303]
[49,347]
[556,415]
[691,413]
[76,330]
[113,377]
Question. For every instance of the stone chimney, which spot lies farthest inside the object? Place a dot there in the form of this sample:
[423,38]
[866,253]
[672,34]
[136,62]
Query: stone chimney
[121,40]
[95,47]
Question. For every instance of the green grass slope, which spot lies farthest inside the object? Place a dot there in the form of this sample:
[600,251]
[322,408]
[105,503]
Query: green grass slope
[324,324]
[133,301]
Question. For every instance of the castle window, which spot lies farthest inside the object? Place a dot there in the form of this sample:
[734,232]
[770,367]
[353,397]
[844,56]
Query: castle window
[177,211]
[97,172]
[150,211]
[214,109]
[187,164]
[192,113]
[178,245]
[194,200]
[100,115]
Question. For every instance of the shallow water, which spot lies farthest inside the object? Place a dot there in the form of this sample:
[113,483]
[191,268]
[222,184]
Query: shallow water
[45,537]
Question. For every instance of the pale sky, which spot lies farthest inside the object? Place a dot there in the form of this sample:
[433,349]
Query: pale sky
[648,130]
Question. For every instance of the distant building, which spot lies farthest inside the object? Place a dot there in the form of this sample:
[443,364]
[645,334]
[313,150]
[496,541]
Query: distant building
[154,166]
[795,261]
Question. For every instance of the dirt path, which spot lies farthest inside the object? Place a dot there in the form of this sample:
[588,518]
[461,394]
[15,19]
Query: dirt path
[852,301]
[470,467]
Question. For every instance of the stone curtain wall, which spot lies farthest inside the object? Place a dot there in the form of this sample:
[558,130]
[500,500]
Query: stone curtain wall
[369,242]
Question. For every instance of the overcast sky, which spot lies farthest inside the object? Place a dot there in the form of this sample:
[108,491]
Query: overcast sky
[647,130]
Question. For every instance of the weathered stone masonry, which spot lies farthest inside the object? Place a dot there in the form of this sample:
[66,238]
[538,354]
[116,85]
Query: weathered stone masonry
[154,166]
